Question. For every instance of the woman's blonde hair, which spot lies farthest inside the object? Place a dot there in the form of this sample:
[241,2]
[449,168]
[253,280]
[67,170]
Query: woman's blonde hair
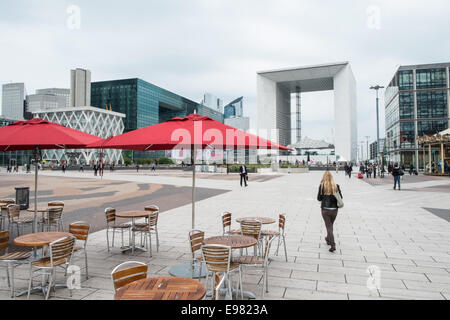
[329,187]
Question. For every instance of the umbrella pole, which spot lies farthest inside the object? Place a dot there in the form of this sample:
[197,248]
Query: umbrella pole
[36,156]
[193,185]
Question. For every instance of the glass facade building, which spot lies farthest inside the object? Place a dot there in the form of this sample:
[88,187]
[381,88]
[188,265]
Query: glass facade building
[417,103]
[145,104]
[13,158]
[234,109]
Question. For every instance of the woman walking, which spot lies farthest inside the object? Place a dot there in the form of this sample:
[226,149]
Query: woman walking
[327,189]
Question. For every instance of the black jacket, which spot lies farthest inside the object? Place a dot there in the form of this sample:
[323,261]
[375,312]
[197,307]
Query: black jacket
[396,172]
[241,171]
[328,201]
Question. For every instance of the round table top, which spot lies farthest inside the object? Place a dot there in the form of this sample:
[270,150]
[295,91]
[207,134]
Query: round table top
[264,220]
[39,239]
[162,288]
[39,209]
[133,214]
[235,242]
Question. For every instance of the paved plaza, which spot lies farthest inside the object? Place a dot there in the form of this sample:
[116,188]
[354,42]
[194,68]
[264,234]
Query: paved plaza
[404,234]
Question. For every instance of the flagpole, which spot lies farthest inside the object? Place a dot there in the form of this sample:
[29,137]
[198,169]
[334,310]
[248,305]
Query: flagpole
[36,151]
[193,185]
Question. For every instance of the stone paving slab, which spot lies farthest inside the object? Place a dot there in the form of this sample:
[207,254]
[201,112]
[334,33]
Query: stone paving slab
[377,227]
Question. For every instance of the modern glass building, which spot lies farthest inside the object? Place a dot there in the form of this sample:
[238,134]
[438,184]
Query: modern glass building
[234,108]
[417,103]
[143,103]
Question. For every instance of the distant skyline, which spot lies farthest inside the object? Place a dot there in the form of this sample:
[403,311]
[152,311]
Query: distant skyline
[197,46]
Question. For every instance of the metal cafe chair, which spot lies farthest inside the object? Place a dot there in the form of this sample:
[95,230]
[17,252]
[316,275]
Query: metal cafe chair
[111,225]
[80,231]
[121,276]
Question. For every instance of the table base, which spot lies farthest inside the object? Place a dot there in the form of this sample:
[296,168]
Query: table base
[184,271]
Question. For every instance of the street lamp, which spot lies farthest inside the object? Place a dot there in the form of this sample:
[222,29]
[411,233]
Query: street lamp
[367,148]
[376,88]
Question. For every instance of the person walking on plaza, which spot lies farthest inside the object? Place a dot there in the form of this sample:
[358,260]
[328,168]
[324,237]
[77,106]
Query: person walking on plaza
[369,171]
[243,173]
[411,169]
[63,168]
[397,173]
[137,168]
[95,169]
[154,166]
[328,190]
[28,168]
[349,170]
[337,167]
[101,167]
[375,170]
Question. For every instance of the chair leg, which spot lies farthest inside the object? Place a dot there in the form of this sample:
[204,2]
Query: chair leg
[278,246]
[150,243]
[86,262]
[240,283]
[30,282]
[114,234]
[285,250]
[230,287]
[157,239]
[107,238]
[12,281]
[49,286]
[7,276]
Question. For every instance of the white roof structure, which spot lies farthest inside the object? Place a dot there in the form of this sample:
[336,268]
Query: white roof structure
[308,143]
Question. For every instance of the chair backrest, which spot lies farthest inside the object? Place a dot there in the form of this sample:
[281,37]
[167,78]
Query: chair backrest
[54,213]
[55,204]
[80,230]
[196,238]
[151,208]
[4,239]
[217,257]
[110,214]
[282,222]
[8,201]
[267,246]
[251,228]
[226,221]
[153,219]
[122,277]
[13,211]
[61,249]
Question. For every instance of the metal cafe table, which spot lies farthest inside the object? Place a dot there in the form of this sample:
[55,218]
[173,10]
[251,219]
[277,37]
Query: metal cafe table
[162,288]
[35,240]
[133,215]
[235,242]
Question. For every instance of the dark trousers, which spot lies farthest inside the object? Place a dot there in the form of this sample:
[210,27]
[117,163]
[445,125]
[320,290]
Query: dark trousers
[244,177]
[328,217]
[397,180]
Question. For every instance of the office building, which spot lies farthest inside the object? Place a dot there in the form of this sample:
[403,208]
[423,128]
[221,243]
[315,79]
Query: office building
[212,102]
[13,101]
[143,103]
[80,88]
[274,89]
[235,108]
[416,103]
[57,92]
[38,102]
[373,149]
[99,122]
[242,123]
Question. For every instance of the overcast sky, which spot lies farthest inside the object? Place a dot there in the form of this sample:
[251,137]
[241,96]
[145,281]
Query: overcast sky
[196,46]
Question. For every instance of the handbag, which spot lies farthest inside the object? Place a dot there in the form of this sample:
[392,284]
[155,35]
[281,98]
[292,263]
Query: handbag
[340,203]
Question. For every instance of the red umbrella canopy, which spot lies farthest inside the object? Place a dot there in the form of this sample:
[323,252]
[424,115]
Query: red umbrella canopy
[27,135]
[183,132]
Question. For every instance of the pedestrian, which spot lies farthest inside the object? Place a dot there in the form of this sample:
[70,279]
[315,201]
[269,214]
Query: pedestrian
[328,190]
[95,169]
[81,168]
[137,168]
[101,167]
[411,169]
[375,170]
[154,166]
[337,167]
[63,168]
[349,170]
[397,173]
[243,173]
[28,168]
[369,171]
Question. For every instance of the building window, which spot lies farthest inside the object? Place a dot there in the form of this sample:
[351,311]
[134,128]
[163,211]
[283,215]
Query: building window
[432,104]
[431,78]
[405,80]
[406,105]
[407,136]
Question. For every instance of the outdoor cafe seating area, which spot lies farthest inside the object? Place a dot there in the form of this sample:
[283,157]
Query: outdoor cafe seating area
[218,265]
